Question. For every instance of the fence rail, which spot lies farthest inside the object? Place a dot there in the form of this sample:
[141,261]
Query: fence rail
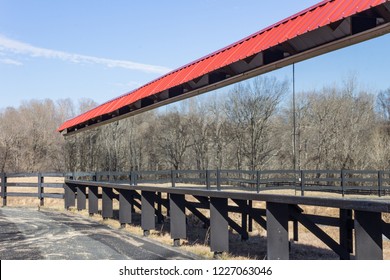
[369,182]
[343,182]
[31,185]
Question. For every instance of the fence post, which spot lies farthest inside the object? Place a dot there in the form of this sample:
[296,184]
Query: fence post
[342,182]
[208,179]
[4,188]
[302,183]
[173,178]
[135,178]
[258,181]
[380,182]
[40,190]
[218,179]
[70,194]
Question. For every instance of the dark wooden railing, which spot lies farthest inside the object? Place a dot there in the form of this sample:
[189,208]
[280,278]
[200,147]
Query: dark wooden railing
[343,182]
[31,185]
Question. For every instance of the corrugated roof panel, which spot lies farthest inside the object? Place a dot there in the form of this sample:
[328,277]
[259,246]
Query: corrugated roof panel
[181,77]
[86,116]
[144,92]
[337,14]
[256,45]
[196,72]
[210,64]
[277,35]
[245,49]
[317,16]
[158,85]
[293,24]
[224,58]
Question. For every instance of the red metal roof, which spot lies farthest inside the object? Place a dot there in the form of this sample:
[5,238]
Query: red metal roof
[311,19]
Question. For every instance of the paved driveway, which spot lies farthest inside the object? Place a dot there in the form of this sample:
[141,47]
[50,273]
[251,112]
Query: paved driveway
[30,234]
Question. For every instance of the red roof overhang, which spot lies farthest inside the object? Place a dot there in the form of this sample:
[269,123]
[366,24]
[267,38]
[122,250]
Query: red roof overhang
[327,26]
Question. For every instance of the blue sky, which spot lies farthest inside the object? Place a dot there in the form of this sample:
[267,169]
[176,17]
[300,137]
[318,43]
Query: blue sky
[101,49]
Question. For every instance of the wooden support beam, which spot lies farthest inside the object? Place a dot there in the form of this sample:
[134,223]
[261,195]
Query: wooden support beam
[107,196]
[317,231]
[93,200]
[126,201]
[386,229]
[241,230]
[148,220]
[368,235]
[160,217]
[277,231]
[41,190]
[177,217]
[81,197]
[256,215]
[70,195]
[346,229]
[219,233]
[244,210]
[198,214]
[4,188]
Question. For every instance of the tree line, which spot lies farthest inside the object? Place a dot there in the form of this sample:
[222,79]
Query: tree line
[250,127]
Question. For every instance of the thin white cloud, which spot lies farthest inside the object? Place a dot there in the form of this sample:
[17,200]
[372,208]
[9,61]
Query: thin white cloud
[10,61]
[17,47]
[131,84]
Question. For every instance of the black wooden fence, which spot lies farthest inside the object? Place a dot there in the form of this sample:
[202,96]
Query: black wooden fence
[343,182]
[31,185]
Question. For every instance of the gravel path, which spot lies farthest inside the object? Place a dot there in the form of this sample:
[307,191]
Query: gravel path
[30,234]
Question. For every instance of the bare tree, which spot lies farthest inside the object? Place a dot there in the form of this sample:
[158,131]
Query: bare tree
[250,108]
[173,138]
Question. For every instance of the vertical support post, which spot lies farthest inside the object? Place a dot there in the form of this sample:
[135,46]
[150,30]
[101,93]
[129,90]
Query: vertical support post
[368,235]
[160,217]
[148,220]
[4,188]
[244,222]
[93,200]
[132,181]
[342,182]
[302,183]
[219,233]
[258,181]
[380,183]
[177,218]
[346,229]
[81,197]
[40,190]
[208,179]
[295,231]
[107,196]
[277,231]
[70,196]
[135,181]
[218,179]
[250,225]
[125,206]
[173,178]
